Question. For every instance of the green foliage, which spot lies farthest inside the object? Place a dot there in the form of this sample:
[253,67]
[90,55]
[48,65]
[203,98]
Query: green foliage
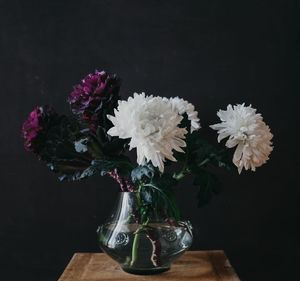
[115,146]
[59,153]
[147,195]
[103,156]
[90,171]
[164,181]
[165,196]
[101,144]
[75,176]
[199,156]
[58,140]
[200,152]
[144,209]
[102,166]
[209,185]
[58,149]
[185,122]
[157,189]
[144,172]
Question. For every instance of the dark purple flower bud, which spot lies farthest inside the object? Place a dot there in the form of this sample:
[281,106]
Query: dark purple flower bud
[95,97]
[33,128]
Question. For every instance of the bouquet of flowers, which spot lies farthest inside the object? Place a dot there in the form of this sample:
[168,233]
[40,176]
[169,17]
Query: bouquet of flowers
[102,128]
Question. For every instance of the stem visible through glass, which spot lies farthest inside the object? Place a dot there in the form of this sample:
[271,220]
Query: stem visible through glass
[135,246]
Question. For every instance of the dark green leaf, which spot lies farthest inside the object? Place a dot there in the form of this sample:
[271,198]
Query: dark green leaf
[122,163]
[114,146]
[209,185]
[200,153]
[90,171]
[185,123]
[146,171]
[70,177]
[165,184]
[146,195]
[164,181]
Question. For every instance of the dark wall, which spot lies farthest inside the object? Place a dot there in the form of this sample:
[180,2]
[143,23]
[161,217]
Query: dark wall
[209,52]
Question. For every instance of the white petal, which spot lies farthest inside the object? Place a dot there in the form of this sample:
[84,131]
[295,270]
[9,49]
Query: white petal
[152,124]
[245,128]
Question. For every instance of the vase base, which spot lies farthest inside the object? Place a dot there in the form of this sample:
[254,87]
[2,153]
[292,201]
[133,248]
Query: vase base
[145,271]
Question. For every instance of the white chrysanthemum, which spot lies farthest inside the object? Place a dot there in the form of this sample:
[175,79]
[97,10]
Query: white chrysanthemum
[80,146]
[152,125]
[183,106]
[246,130]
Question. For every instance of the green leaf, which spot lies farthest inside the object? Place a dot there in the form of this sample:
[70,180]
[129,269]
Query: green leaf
[223,159]
[147,195]
[143,172]
[209,185]
[103,166]
[165,181]
[115,146]
[70,177]
[185,122]
[166,198]
[90,171]
[165,201]
[200,153]
[122,163]
[57,150]
[199,150]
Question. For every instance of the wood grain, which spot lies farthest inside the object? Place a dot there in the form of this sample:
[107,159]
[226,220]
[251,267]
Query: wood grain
[193,265]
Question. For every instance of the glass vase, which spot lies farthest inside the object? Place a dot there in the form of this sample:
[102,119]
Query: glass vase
[142,241]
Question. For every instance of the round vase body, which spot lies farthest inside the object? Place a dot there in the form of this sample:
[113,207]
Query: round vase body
[139,247]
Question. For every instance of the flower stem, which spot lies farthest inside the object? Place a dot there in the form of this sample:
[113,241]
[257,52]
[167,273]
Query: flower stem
[135,244]
[135,247]
[185,171]
[204,161]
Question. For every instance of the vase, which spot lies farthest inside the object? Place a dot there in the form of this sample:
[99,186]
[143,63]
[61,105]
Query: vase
[143,242]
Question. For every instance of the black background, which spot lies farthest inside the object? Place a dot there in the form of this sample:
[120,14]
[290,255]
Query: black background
[209,52]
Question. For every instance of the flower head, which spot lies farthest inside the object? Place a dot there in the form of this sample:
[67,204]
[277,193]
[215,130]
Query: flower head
[151,123]
[246,130]
[96,92]
[183,106]
[33,128]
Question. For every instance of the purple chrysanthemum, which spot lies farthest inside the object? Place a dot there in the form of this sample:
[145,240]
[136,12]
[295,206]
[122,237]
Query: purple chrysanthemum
[37,122]
[97,92]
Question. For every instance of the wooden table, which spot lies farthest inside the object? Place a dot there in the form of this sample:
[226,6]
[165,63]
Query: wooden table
[193,265]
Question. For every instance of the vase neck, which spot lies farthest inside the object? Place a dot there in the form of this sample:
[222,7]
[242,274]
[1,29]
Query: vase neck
[138,207]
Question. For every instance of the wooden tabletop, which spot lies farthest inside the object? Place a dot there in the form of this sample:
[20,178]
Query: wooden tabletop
[193,265]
